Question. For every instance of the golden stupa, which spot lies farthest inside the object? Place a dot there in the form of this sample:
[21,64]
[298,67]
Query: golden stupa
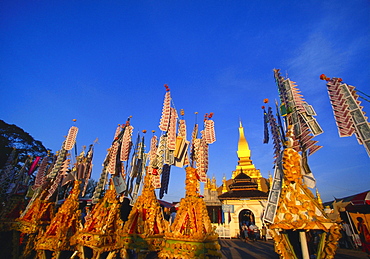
[99,231]
[144,230]
[37,214]
[57,236]
[191,235]
[34,219]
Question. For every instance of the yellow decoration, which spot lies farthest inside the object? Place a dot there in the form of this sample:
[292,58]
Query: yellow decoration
[35,218]
[145,227]
[245,164]
[213,186]
[224,187]
[298,209]
[37,215]
[99,230]
[63,226]
[191,235]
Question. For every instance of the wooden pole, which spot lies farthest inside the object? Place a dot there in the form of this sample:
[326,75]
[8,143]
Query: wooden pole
[304,247]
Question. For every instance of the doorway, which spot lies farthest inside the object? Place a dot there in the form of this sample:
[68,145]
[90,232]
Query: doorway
[246,216]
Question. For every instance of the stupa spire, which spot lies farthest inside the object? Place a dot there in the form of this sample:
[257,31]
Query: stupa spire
[244,153]
[245,164]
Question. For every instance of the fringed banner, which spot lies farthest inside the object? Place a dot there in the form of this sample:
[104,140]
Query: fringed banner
[71,138]
[265,127]
[165,180]
[166,111]
[209,131]
[275,133]
[41,172]
[171,133]
[126,143]
[348,114]
[58,163]
[88,170]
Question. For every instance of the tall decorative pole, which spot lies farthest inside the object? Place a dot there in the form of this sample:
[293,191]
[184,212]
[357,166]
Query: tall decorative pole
[292,210]
[297,210]
[40,209]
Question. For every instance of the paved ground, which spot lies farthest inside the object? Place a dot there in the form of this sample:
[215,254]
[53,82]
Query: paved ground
[236,248]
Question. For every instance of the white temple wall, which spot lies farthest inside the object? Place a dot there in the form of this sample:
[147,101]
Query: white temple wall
[254,206]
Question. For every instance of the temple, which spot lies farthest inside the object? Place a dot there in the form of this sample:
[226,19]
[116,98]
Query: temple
[241,198]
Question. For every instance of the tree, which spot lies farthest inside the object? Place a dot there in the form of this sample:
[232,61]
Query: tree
[12,136]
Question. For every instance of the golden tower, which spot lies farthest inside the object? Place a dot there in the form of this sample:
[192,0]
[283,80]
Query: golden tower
[245,164]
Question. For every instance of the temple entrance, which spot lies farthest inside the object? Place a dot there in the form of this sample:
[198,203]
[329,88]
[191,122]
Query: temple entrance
[246,216]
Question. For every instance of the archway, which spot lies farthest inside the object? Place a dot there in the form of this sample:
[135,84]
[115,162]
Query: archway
[246,216]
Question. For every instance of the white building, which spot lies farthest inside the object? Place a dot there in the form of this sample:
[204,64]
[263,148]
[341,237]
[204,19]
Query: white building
[242,198]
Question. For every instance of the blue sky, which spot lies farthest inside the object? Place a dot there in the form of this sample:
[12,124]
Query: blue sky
[102,61]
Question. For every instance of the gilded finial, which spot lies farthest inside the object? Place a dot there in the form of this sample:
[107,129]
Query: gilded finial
[224,187]
[318,197]
[214,186]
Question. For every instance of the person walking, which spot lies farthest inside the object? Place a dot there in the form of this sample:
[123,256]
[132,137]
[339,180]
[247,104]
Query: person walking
[264,232]
[348,242]
[257,233]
